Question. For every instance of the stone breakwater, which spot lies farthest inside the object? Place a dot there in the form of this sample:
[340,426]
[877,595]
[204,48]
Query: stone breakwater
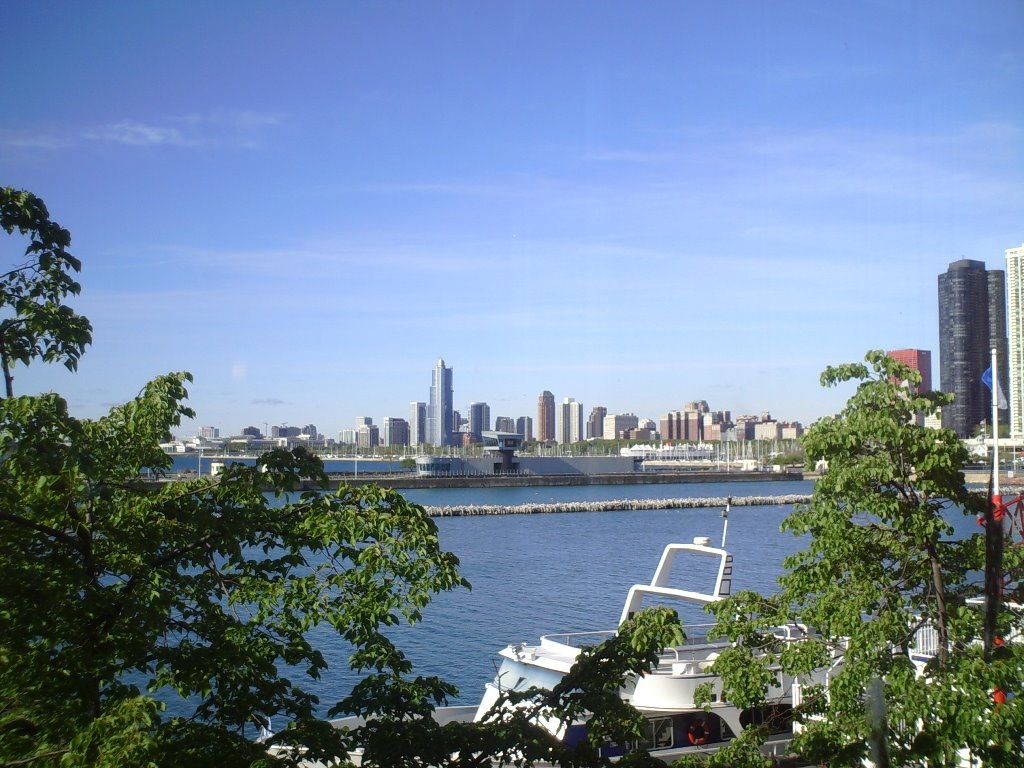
[612,505]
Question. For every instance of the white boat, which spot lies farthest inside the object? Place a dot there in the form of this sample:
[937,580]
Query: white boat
[676,725]
[665,696]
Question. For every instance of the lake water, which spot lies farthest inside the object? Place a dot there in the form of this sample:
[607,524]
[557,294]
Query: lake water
[550,573]
[544,574]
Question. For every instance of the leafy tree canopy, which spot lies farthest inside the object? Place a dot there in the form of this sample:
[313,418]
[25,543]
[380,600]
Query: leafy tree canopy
[115,594]
[34,321]
[882,575]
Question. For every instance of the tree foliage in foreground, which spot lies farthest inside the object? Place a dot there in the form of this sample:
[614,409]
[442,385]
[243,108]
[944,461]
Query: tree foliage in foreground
[115,594]
[882,563]
[34,321]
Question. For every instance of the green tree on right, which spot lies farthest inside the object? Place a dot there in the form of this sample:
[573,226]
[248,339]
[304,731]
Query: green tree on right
[886,580]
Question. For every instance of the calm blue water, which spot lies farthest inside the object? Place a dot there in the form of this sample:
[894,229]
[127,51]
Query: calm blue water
[544,574]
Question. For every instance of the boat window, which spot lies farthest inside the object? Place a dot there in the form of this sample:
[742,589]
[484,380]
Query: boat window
[659,734]
[776,718]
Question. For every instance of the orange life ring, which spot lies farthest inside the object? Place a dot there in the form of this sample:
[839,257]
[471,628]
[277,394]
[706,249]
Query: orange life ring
[698,732]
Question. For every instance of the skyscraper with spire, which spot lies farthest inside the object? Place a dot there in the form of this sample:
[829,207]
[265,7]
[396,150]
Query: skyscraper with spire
[440,407]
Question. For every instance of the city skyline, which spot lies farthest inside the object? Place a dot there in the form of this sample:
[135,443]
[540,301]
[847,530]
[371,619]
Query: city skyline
[634,206]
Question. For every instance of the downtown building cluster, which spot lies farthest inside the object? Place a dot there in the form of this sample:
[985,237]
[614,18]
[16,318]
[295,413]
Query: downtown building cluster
[435,422]
[979,310]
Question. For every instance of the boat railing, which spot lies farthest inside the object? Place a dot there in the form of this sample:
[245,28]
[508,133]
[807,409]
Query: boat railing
[580,639]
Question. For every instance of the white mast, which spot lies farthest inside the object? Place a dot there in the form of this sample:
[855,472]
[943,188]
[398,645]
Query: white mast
[995,426]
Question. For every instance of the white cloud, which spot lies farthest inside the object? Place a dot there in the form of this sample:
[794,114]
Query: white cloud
[138,134]
[238,129]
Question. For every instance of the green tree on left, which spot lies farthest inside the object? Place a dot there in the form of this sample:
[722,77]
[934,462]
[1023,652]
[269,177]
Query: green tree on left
[116,596]
[34,320]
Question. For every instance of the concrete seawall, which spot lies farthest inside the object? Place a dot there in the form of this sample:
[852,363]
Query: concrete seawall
[409,480]
[612,505]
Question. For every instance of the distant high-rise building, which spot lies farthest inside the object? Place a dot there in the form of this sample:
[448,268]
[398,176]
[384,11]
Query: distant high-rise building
[440,408]
[417,423]
[367,436]
[616,424]
[545,417]
[918,359]
[972,321]
[524,427]
[253,432]
[209,433]
[595,424]
[479,419]
[396,431]
[504,424]
[310,431]
[571,424]
[671,426]
[1014,362]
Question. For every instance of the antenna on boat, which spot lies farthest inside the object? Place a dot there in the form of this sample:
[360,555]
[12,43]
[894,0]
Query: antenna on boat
[725,517]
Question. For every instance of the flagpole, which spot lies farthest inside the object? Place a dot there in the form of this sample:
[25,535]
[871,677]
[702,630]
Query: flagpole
[995,426]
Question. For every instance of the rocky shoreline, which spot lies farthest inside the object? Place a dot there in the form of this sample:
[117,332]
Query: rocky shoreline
[613,505]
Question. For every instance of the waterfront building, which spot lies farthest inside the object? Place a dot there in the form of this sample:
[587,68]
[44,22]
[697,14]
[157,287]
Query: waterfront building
[791,430]
[396,431]
[571,422]
[918,359]
[440,407]
[745,427]
[479,420]
[209,433]
[972,321]
[309,431]
[767,430]
[640,434]
[347,437]
[1014,361]
[417,423]
[505,424]
[671,426]
[253,432]
[595,424]
[284,431]
[545,417]
[616,424]
[524,428]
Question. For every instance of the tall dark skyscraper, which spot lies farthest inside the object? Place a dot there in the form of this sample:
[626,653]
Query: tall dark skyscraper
[972,320]
[546,417]
[440,408]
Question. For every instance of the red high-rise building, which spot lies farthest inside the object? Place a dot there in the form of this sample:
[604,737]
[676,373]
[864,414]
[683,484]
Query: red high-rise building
[918,359]
[545,417]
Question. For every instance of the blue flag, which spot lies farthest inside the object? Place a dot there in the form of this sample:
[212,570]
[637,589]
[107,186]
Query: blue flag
[996,389]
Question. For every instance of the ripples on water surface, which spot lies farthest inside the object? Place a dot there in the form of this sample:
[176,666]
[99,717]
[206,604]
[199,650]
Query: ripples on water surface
[544,574]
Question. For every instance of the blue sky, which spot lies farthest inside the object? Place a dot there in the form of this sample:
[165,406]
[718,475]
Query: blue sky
[632,204]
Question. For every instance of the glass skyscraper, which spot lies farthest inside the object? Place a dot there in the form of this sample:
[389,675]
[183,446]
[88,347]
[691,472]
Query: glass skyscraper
[440,407]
